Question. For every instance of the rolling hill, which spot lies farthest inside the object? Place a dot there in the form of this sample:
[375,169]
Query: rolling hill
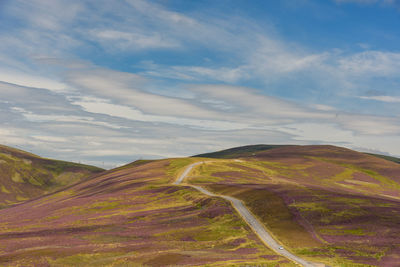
[25,176]
[328,204]
[245,151]
[325,204]
[130,216]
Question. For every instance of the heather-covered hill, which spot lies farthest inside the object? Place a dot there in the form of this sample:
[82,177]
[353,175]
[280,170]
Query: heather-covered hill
[389,158]
[252,150]
[25,176]
[328,204]
[337,168]
[238,152]
[130,216]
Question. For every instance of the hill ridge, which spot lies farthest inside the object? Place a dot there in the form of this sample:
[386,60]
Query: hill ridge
[24,175]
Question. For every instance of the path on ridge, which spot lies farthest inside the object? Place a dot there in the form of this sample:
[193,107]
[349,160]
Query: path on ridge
[249,218]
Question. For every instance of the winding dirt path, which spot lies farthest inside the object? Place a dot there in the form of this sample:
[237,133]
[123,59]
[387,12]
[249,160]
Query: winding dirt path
[249,218]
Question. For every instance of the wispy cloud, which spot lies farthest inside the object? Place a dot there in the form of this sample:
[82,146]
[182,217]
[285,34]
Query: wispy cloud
[102,107]
[28,80]
[371,63]
[383,98]
[93,81]
[112,39]
[198,73]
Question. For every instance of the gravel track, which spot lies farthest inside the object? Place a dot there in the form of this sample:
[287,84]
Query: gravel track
[249,218]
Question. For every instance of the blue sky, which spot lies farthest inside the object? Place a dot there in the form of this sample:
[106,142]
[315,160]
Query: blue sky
[108,82]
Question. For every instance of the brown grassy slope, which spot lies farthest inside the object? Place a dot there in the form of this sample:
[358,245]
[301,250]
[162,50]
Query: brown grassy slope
[326,203]
[25,176]
[128,217]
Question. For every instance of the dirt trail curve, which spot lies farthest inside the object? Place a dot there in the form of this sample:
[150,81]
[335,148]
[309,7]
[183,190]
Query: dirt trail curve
[250,219]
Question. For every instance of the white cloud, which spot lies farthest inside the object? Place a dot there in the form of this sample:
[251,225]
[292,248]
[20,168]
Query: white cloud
[181,27]
[198,73]
[321,132]
[129,113]
[23,79]
[47,138]
[132,40]
[257,107]
[108,152]
[323,107]
[383,98]
[30,116]
[125,88]
[374,63]
[370,125]
[46,14]
[275,57]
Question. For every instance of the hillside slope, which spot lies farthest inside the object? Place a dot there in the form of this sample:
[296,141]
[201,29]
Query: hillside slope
[389,158]
[252,150]
[326,203]
[25,176]
[130,216]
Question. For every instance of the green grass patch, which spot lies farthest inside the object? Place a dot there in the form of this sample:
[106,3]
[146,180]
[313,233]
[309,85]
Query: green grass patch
[311,206]
[36,181]
[59,166]
[52,218]
[352,168]
[357,231]
[104,205]
[16,178]
[21,198]
[346,213]
[67,178]
[345,175]
[225,227]
[314,252]
[4,190]
[177,165]
[212,172]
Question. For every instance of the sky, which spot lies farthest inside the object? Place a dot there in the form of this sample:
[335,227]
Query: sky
[109,82]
